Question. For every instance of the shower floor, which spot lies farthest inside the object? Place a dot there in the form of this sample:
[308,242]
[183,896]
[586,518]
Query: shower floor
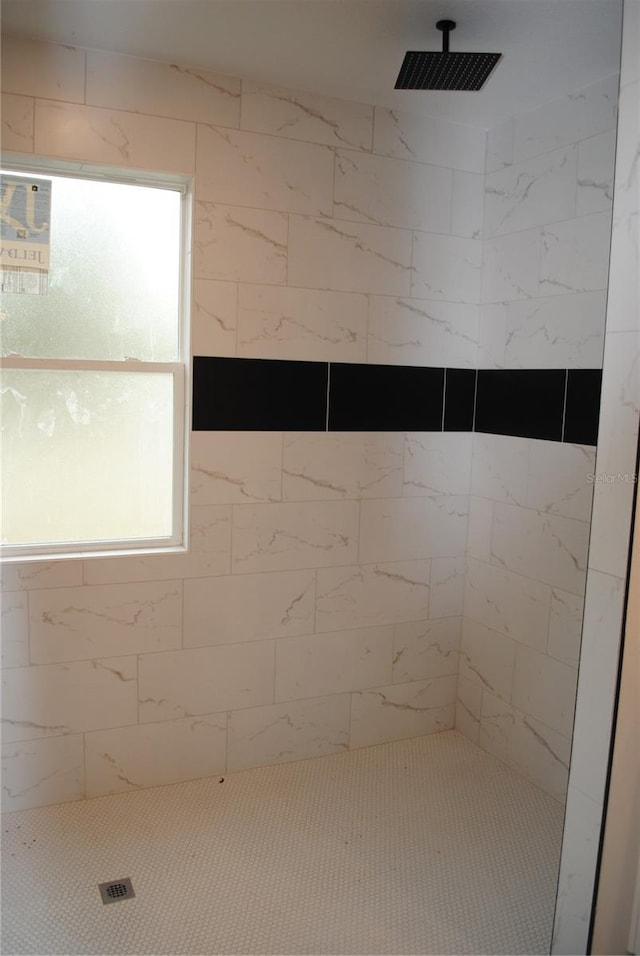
[422,846]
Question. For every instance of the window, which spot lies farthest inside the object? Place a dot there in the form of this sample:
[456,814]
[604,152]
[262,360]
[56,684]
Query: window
[93,378]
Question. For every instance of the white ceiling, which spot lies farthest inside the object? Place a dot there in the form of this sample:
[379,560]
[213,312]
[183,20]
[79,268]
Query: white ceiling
[352,49]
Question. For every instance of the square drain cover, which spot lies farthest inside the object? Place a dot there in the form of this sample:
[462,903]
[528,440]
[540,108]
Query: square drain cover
[116,890]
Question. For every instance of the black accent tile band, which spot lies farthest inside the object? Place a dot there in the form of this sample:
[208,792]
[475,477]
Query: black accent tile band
[385,398]
[259,395]
[459,399]
[582,410]
[525,403]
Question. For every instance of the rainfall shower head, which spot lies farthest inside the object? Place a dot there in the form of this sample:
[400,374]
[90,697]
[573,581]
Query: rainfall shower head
[445,71]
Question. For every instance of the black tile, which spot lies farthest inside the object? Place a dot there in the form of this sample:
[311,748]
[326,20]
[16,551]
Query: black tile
[582,410]
[526,403]
[258,394]
[459,399]
[385,398]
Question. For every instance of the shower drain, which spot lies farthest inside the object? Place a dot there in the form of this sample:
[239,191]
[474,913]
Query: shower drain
[116,890]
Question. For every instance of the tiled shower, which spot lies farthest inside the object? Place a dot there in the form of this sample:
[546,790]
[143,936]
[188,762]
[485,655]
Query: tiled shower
[398,331]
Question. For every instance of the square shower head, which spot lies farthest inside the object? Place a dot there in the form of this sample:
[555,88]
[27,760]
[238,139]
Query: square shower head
[445,71]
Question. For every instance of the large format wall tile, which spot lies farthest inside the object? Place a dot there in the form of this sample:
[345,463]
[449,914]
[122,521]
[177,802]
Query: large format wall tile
[596,158]
[446,267]
[428,140]
[265,172]
[14,628]
[37,773]
[575,255]
[249,607]
[402,710]
[500,468]
[40,574]
[50,70]
[341,465]
[214,317]
[402,529]
[235,243]
[508,603]
[163,89]
[113,137]
[71,624]
[235,467]
[560,479]
[558,331]
[437,463]
[17,123]
[487,658]
[426,649]
[422,332]
[544,688]
[310,117]
[362,595]
[510,266]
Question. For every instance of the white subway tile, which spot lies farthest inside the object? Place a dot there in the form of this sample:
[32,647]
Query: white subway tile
[558,478]
[71,624]
[114,137]
[214,317]
[251,607]
[50,70]
[161,89]
[333,663]
[575,255]
[342,465]
[234,467]
[437,463]
[264,172]
[207,680]
[508,603]
[38,773]
[446,267]
[234,243]
[428,140]
[545,689]
[305,324]
[349,256]
[310,117]
[153,755]
[14,628]
[447,586]
[403,529]
[279,733]
[17,123]
[400,711]
[360,596]
[69,698]
[422,332]
[426,649]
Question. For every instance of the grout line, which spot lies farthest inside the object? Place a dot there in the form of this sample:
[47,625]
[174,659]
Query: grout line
[327,399]
[444,394]
[564,403]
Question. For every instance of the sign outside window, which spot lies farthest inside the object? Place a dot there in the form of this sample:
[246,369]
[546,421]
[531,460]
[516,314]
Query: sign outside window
[25,233]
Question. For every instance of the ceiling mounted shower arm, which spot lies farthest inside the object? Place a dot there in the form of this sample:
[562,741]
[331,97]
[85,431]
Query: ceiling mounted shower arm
[445,27]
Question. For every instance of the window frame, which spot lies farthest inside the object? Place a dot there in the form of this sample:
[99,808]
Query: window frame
[180,369]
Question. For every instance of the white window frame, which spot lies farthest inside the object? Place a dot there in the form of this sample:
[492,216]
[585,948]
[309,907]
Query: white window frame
[180,369]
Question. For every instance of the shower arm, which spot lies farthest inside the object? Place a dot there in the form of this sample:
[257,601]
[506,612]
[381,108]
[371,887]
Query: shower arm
[445,27]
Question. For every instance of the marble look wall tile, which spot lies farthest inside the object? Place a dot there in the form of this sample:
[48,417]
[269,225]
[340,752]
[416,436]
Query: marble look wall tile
[437,463]
[558,478]
[14,628]
[277,537]
[547,548]
[541,754]
[614,486]
[404,529]
[17,123]
[214,317]
[531,193]
[209,553]
[565,626]
[426,649]
[467,206]
[207,680]
[544,689]
[293,731]
[480,528]
[71,624]
[49,70]
[235,467]
[386,192]
[400,711]
[349,257]
[284,323]
[469,705]
[447,586]
[68,698]
[596,159]
[310,117]
[113,137]
[252,607]
[422,332]
[428,140]
[555,331]
[265,172]
[493,331]
[568,119]
[153,755]
[40,574]
[508,603]
[630,72]
[37,773]
[161,89]
[332,663]
[500,146]
[500,467]
[375,594]
[446,267]
[487,658]
[510,267]
[497,720]
[342,465]
[575,255]
[234,243]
